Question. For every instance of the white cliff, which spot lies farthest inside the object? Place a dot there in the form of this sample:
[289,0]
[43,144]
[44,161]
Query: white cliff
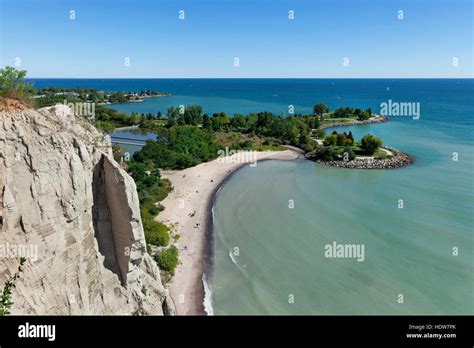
[75,212]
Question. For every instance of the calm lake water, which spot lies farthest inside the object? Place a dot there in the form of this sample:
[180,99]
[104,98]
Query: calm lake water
[140,135]
[407,251]
[281,267]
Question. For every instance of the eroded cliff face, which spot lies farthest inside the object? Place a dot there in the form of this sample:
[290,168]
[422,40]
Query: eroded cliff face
[71,209]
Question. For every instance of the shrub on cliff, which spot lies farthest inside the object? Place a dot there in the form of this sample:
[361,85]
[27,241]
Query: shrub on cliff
[168,259]
[6,294]
[12,84]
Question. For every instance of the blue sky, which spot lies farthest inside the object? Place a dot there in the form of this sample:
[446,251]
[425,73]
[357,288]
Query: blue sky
[258,32]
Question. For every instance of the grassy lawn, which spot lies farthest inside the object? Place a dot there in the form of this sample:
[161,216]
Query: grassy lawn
[379,154]
[340,119]
[334,120]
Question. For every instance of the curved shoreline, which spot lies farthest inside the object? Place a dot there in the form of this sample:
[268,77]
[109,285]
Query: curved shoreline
[188,210]
[209,231]
[209,222]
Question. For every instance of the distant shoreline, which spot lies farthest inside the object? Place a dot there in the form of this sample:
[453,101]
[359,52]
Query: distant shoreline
[140,100]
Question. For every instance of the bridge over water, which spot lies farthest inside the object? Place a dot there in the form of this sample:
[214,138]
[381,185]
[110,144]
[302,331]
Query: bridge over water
[127,141]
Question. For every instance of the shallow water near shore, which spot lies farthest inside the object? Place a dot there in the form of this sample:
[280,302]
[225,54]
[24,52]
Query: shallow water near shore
[407,251]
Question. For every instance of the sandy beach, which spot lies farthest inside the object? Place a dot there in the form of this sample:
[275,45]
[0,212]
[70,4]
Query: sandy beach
[187,211]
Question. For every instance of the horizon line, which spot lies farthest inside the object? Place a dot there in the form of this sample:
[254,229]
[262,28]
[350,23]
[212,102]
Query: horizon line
[242,78]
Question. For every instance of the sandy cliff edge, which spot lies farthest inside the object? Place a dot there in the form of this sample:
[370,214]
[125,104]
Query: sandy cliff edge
[75,213]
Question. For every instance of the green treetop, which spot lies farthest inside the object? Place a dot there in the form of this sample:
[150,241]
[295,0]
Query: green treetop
[12,84]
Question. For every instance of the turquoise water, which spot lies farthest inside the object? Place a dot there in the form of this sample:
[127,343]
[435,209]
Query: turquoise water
[211,104]
[138,134]
[408,251]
